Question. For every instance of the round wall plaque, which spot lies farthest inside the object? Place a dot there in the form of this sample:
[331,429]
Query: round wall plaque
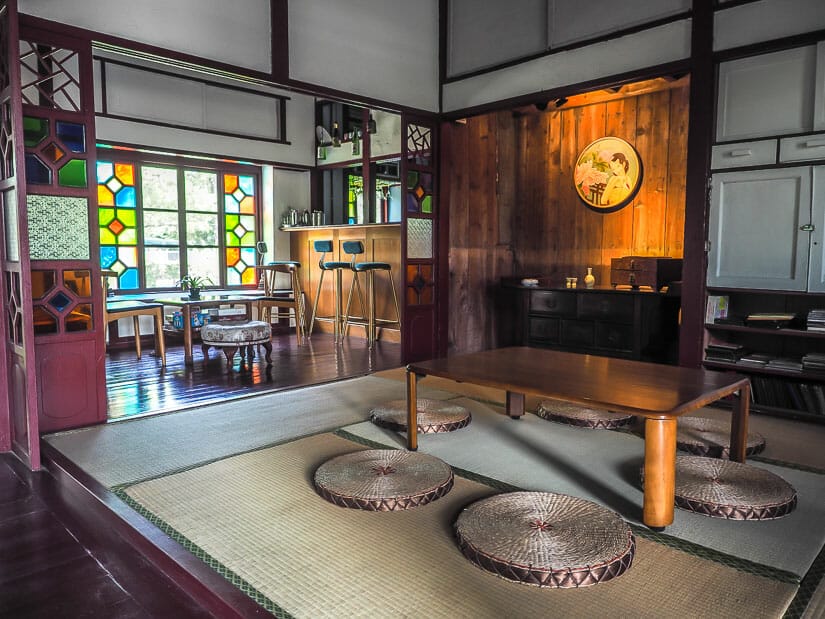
[608,174]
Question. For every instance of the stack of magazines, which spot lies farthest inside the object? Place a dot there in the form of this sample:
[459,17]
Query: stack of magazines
[724,351]
[786,365]
[816,320]
[814,362]
[755,359]
[770,320]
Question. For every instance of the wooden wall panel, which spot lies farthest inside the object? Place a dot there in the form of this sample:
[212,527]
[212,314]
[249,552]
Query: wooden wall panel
[508,185]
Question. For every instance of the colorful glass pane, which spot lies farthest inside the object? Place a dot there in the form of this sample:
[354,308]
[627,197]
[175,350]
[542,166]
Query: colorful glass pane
[44,322]
[42,283]
[73,136]
[125,173]
[60,301]
[247,185]
[230,204]
[72,174]
[248,205]
[233,254]
[79,281]
[128,280]
[427,204]
[37,172]
[108,255]
[104,196]
[80,318]
[35,130]
[230,183]
[105,171]
[53,152]
[126,197]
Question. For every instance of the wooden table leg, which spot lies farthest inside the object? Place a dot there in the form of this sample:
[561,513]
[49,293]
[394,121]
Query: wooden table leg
[739,424]
[515,404]
[160,340]
[660,472]
[412,410]
[187,335]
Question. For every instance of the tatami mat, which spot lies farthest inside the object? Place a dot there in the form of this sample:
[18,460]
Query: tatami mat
[258,516]
[131,450]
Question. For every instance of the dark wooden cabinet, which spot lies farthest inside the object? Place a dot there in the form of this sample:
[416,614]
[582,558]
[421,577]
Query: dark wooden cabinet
[630,324]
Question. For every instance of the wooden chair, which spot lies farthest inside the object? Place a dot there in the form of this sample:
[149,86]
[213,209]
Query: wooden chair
[115,310]
[286,302]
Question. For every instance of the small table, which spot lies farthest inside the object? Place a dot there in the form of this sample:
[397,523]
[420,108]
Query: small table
[660,393]
[186,304]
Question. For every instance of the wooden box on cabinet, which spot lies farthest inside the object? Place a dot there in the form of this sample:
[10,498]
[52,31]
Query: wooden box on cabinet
[647,271]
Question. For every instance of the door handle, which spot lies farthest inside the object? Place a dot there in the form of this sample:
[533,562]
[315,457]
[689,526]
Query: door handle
[807,228]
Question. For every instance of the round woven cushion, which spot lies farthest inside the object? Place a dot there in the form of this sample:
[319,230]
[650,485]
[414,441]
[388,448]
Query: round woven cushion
[711,437]
[726,489]
[383,480]
[229,334]
[433,416]
[581,416]
[545,539]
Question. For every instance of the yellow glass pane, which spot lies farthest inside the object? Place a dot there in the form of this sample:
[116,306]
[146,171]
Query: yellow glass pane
[125,173]
[248,205]
[104,196]
[42,283]
[78,281]
[248,276]
[230,183]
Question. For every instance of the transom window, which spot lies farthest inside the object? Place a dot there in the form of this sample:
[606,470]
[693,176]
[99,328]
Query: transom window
[160,222]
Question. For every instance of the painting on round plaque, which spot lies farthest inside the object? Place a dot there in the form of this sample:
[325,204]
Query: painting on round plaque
[608,174]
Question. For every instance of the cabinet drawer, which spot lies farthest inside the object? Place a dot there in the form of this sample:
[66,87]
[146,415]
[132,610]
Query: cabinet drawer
[762,152]
[551,302]
[802,148]
[614,337]
[544,329]
[615,307]
[576,333]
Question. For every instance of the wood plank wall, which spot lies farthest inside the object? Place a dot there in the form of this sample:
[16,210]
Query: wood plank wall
[507,181]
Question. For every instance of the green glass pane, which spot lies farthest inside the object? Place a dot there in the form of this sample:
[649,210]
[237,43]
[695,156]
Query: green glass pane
[128,217]
[427,204]
[412,179]
[232,240]
[248,239]
[105,215]
[35,130]
[107,237]
[231,221]
[73,174]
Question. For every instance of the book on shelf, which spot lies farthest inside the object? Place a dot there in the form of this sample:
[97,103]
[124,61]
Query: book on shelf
[769,319]
[724,351]
[787,365]
[717,307]
[815,320]
[755,359]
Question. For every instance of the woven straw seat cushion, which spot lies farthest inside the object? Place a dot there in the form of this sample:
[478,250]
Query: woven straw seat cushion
[732,490]
[711,437]
[433,416]
[545,539]
[383,480]
[581,416]
[236,334]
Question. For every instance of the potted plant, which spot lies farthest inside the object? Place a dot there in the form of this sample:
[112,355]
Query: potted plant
[193,283]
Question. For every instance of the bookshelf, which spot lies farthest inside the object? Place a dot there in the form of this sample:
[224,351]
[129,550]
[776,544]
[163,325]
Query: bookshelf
[770,352]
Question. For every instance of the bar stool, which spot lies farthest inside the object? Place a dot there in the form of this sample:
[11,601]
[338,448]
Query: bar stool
[356,248]
[324,247]
[284,301]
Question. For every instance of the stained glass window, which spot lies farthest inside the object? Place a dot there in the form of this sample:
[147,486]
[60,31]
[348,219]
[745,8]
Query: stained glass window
[161,222]
[50,149]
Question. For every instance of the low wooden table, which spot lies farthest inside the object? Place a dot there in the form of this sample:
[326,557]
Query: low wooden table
[206,301]
[660,393]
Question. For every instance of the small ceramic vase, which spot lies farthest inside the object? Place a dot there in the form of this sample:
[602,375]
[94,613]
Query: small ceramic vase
[589,279]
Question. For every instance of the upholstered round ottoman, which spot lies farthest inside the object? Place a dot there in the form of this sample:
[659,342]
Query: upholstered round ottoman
[432,416]
[582,416]
[230,336]
[383,480]
[711,437]
[545,539]
[732,490]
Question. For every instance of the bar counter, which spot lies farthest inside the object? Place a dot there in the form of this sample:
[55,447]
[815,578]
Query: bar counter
[382,243]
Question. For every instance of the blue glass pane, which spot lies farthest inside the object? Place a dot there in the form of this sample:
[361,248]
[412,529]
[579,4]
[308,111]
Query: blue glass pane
[36,171]
[412,203]
[126,197]
[231,204]
[72,135]
[105,171]
[108,255]
[247,185]
[60,301]
[129,279]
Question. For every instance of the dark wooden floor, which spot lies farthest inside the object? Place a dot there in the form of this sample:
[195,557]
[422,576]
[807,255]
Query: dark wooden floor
[140,387]
[48,570]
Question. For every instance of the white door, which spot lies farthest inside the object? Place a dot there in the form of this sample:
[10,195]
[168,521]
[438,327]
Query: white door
[816,270]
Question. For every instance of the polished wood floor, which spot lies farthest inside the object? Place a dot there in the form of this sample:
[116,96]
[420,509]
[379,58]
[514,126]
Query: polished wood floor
[139,387]
[52,566]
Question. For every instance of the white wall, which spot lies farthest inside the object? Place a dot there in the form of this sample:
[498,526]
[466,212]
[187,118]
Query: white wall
[766,20]
[206,28]
[289,189]
[663,44]
[385,49]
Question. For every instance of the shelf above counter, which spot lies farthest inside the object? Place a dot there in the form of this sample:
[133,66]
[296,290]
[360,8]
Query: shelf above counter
[338,226]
